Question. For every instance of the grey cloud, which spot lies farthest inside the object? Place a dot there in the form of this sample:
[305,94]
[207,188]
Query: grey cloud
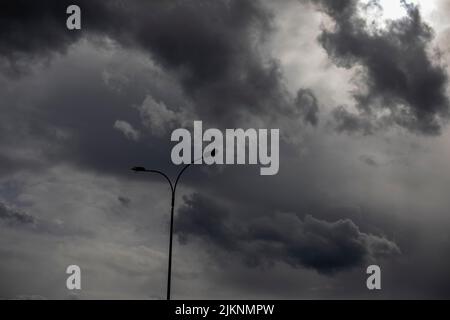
[347,122]
[212,51]
[15,217]
[26,221]
[214,48]
[127,129]
[203,218]
[158,117]
[63,115]
[125,201]
[398,74]
[31,31]
[369,160]
[326,247]
[307,105]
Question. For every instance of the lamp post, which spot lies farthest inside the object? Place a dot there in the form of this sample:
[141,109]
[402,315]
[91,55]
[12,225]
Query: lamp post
[173,188]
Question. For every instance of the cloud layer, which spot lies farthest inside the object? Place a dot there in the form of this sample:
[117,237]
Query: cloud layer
[327,247]
[79,108]
[400,83]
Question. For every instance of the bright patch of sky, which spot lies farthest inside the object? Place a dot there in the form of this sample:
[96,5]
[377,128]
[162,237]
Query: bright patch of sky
[380,12]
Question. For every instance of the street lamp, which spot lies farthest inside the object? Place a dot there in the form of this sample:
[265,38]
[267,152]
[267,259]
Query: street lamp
[173,188]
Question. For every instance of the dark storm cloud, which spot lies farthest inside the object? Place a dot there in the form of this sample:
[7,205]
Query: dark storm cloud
[14,217]
[327,247]
[307,104]
[31,30]
[210,49]
[349,122]
[213,47]
[124,201]
[211,226]
[399,75]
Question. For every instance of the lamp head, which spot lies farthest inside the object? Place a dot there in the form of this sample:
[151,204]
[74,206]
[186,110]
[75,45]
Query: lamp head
[138,169]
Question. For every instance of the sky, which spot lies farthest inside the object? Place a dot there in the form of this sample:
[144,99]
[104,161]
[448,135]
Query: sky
[359,90]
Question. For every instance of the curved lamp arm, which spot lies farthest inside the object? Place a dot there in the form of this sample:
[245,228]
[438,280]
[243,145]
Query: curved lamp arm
[164,175]
[173,186]
[187,166]
[179,175]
